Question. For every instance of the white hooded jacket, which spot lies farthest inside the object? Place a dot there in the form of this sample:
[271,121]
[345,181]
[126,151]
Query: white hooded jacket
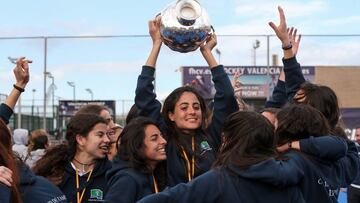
[21,138]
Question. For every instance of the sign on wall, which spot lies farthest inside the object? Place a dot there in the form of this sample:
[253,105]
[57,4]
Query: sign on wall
[254,82]
[68,108]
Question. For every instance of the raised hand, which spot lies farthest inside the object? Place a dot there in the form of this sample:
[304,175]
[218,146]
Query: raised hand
[154,30]
[294,40]
[209,44]
[281,30]
[206,48]
[235,78]
[21,72]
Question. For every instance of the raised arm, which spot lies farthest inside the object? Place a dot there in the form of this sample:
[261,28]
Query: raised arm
[224,99]
[21,72]
[145,99]
[278,98]
[154,31]
[237,90]
[206,49]
[293,74]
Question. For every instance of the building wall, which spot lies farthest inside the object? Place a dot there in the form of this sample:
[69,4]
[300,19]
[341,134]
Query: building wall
[344,80]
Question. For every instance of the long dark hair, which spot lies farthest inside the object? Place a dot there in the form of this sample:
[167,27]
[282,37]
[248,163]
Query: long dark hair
[7,160]
[173,98]
[172,131]
[324,99]
[300,121]
[130,148]
[248,138]
[58,156]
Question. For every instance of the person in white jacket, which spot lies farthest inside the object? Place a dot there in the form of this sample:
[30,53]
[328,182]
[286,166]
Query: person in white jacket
[39,142]
[21,138]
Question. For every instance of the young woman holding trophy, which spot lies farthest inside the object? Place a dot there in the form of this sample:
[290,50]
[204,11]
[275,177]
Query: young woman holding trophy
[192,144]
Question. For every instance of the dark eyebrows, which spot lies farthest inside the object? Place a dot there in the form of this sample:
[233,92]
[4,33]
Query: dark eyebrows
[187,103]
[154,136]
[100,132]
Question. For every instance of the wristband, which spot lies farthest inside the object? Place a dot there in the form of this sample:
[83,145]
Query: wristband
[19,88]
[287,47]
[289,145]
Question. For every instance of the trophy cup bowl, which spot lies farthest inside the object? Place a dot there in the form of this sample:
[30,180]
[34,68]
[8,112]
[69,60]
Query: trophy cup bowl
[184,25]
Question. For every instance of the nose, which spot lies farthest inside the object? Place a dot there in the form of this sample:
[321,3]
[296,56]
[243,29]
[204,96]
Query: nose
[162,140]
[106,139]
[191,110]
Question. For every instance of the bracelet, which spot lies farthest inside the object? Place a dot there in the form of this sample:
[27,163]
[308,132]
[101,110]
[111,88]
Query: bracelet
[287,47]
[289,145]
[19,88]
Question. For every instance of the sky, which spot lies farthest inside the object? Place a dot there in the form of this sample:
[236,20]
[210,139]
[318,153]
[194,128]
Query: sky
[110,66]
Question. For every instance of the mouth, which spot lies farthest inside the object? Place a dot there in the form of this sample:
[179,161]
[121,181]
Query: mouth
[105,148]
[192,119]
[161,150]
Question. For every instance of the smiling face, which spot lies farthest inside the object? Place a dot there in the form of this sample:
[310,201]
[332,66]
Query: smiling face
[187,113]
[96,143]
[154,145]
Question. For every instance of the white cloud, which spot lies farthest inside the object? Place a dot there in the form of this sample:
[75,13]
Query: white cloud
[261,8]
[343,52]
[104,67]
[343,21]
[84,28]
[255,16]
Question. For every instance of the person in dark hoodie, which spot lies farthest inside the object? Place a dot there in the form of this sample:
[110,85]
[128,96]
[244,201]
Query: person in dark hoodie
[35,189]
[353,192]
[8,184]
[29,187]
[324,168]
[9,174]
[192,144]
[78,167]
[322,177]
[297,89]
[135,172]
[21,185]
[249,142]
[279,97]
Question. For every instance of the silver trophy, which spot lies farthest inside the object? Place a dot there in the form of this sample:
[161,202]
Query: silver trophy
[184,25]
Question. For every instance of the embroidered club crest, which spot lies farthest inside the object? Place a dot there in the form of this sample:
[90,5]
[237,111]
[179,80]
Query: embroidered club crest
[96,194]
[205,146]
